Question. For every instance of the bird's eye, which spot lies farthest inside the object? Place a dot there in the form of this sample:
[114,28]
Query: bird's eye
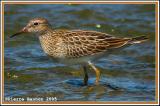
[36,23]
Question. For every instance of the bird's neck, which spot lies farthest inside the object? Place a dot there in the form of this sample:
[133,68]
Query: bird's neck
[46,32]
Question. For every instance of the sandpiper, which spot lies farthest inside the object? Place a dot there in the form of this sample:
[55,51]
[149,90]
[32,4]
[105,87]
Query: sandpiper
[76,46]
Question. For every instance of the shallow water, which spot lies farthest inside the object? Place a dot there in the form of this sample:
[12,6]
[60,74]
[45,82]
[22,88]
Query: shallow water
[127,75]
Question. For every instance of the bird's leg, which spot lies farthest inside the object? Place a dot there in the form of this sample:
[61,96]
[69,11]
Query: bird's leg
[97,72]
[85,75]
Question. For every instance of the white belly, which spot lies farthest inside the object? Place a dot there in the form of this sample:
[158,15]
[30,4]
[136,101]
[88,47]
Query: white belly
[80,60]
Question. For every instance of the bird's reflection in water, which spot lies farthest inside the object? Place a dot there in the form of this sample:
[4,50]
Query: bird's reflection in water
[96,91]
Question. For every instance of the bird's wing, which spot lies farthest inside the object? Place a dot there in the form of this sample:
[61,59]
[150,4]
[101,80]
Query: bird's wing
[82,43]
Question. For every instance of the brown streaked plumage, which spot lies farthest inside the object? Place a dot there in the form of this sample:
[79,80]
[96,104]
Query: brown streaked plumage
[76,46]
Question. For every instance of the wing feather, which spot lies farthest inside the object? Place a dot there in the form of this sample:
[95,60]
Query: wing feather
[82,43]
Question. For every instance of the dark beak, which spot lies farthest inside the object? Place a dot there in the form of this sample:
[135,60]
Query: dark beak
[24,30]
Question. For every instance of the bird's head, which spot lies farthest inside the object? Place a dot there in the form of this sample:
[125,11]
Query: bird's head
[36,25]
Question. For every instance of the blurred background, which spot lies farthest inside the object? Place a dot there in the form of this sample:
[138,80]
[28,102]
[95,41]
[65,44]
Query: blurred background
[127,75]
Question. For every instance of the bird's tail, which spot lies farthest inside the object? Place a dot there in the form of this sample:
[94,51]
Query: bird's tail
[138,39]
